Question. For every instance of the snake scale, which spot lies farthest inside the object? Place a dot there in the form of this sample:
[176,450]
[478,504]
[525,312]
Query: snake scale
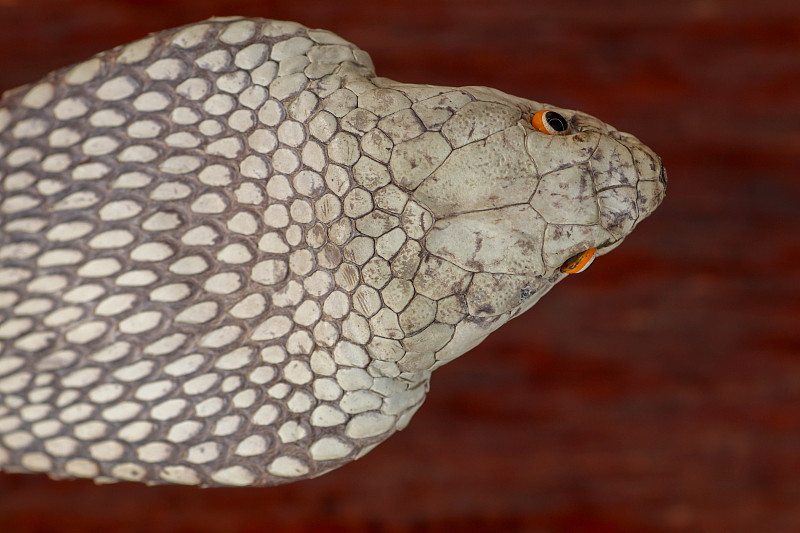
[230,254]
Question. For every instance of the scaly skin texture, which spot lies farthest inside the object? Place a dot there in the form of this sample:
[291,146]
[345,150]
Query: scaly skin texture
[232,255]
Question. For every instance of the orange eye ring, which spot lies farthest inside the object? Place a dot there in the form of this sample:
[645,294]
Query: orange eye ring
[579,263]
[550,122]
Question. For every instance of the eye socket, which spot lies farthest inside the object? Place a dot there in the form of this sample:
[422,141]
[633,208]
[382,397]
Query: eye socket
[579,263]
[550,122]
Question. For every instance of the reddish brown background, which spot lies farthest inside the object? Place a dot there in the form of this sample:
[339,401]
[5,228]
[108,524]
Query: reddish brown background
[659,392]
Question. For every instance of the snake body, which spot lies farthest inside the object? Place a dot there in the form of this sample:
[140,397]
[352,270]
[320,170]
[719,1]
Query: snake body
[230,254]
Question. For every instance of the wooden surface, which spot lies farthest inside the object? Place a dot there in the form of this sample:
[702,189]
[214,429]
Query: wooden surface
[658,392]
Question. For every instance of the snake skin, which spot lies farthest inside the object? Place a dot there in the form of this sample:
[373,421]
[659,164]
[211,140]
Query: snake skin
[232,255]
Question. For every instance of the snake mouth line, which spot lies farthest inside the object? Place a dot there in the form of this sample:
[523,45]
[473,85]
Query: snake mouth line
[610,187]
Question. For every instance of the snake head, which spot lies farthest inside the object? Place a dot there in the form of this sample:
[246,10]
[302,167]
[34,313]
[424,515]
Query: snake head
[516,199]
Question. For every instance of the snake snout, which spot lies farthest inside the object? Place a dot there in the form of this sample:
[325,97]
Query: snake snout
[651,189]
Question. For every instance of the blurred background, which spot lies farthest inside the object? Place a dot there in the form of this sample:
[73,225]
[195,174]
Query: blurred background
[658,392]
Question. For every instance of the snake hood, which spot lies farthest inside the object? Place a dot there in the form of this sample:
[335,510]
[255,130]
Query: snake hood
[233,255]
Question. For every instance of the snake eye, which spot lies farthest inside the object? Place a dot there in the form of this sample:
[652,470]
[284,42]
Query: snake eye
[579,263]
[550,122]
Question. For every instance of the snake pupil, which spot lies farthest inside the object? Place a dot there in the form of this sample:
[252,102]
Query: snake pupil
[556,121]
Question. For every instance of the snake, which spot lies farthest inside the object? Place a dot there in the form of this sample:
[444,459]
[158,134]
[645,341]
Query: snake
[232,255]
